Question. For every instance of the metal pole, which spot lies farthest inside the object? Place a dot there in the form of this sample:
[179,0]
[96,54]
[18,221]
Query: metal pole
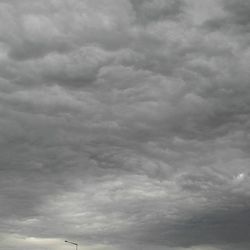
[73,243]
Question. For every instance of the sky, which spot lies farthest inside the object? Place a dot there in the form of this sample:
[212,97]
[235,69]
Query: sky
[124,124]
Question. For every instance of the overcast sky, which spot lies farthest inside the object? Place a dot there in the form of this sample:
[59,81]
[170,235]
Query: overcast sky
[125,124]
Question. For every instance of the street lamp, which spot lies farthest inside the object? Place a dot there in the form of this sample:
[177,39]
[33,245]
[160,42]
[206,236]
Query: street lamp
[73,243]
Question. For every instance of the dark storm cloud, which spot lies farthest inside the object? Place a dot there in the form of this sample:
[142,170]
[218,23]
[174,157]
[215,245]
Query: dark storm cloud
[238,11]
[150,11]
[124,124]
[216,229]
[236,17]
[220,223]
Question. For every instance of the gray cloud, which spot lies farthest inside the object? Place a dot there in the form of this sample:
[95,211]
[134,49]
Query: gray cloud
[151,11]
[235,17]
[124,124]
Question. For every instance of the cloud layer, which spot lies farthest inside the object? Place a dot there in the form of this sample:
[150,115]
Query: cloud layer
[124,124]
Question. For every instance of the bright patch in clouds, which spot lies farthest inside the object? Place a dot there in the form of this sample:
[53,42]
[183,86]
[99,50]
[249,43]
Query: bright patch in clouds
[240,177]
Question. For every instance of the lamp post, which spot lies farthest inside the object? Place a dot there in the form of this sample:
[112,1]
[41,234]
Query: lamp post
[73,243]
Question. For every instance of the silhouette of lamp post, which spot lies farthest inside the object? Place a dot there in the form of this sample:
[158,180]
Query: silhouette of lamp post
[73,243]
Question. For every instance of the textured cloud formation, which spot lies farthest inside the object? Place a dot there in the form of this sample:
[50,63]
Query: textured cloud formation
[124,124]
